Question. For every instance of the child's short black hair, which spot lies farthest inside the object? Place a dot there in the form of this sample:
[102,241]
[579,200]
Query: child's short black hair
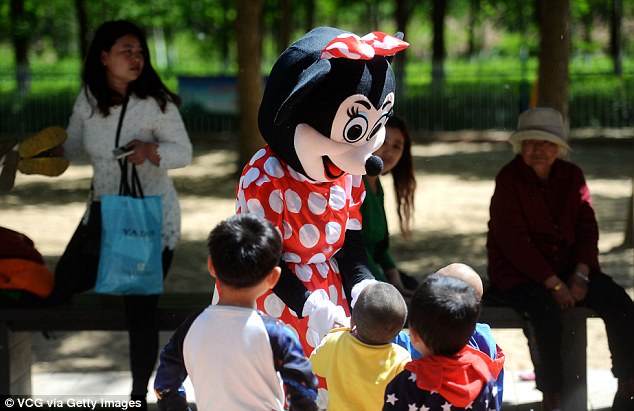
[379,313]
[244,249]
[443,312]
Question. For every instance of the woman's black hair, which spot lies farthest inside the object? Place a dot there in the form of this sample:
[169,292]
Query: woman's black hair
[149,84]
[403,177]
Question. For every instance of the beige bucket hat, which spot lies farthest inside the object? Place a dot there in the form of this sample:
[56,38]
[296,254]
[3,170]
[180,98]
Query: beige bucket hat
[540,123]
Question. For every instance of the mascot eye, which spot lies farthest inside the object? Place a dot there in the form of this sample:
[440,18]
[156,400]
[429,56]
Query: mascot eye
[356,127]
[379,124]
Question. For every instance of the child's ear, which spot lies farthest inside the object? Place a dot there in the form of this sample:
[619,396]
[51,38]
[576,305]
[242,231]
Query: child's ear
[413,335]
[274,276]
[418,342]
[210,267]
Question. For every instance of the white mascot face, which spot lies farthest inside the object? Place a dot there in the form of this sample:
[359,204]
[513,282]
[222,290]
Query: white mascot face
[358,130]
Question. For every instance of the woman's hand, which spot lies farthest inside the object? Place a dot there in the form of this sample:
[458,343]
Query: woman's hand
[143,151]
[564,297]
[394,277]
[560,292]
[578,282]
[578,287]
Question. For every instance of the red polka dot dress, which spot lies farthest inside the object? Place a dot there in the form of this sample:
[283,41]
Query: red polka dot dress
[312,218]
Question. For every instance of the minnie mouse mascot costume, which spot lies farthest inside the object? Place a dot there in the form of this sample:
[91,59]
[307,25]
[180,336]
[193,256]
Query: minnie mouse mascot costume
[322,115]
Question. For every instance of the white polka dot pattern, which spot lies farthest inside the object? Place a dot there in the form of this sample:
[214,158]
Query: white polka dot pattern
[288,230]
[333,232]
[323,269]
[312,218]
[353,224]
[317,203]
[260,153]
[273,167]
[274,306]
[262,180]
[254,206]
[308,235]
[293,201]
[337,198]
[276,202]
[334,294]
[317,258]
[303,272]
[312,338]
[291,258]
[250,177]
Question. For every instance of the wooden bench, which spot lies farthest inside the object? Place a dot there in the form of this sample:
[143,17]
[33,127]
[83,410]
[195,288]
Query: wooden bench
[101,312]
[92,312]
[574,341]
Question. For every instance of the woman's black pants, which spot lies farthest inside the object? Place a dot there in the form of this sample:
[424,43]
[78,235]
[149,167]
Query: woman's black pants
[608,299]
[143,333]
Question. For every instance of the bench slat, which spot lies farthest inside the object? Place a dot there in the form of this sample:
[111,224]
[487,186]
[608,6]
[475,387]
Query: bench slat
[100,312]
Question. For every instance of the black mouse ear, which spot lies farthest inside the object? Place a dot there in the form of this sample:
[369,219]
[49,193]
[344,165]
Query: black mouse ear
[399,35]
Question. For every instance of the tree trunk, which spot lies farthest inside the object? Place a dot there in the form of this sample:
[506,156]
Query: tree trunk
[554,52]
[616,16]
[20,40]
[310,15]
[82,35]
[249,39]
[439,10]
[474,12]
[402,15]
[223,36]
[283,36]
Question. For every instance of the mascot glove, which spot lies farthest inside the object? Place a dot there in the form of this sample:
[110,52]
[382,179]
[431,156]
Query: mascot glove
[356,290]
[323,315]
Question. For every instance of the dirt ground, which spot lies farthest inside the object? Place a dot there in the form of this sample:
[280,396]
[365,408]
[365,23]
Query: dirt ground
[455,183]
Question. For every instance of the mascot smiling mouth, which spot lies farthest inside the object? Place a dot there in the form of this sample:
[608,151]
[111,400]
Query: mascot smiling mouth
[332,171]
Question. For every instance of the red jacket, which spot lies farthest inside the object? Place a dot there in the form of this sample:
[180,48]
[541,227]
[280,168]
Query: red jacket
[538,230]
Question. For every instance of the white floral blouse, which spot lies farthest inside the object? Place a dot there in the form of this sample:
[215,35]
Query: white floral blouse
[92,133]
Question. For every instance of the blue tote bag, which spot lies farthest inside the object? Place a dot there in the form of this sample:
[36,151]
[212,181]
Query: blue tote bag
[130,260]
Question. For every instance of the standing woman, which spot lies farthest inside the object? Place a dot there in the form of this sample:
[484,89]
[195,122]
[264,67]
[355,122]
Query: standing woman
[118,75]
[396,153]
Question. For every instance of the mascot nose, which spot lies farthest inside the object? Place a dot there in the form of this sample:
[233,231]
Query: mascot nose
[373,166]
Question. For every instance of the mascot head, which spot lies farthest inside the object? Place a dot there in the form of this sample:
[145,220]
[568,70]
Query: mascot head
[326,102]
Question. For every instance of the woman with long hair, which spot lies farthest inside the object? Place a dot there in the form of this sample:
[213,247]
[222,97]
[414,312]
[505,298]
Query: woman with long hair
[396,153]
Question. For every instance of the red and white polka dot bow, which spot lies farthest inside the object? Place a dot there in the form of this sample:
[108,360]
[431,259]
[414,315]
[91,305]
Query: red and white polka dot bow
[351,46]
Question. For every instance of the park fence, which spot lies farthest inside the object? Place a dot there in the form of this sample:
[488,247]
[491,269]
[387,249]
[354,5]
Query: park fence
[596,102]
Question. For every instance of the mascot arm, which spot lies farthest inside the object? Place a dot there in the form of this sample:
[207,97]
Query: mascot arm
[353,265]
[291,290]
